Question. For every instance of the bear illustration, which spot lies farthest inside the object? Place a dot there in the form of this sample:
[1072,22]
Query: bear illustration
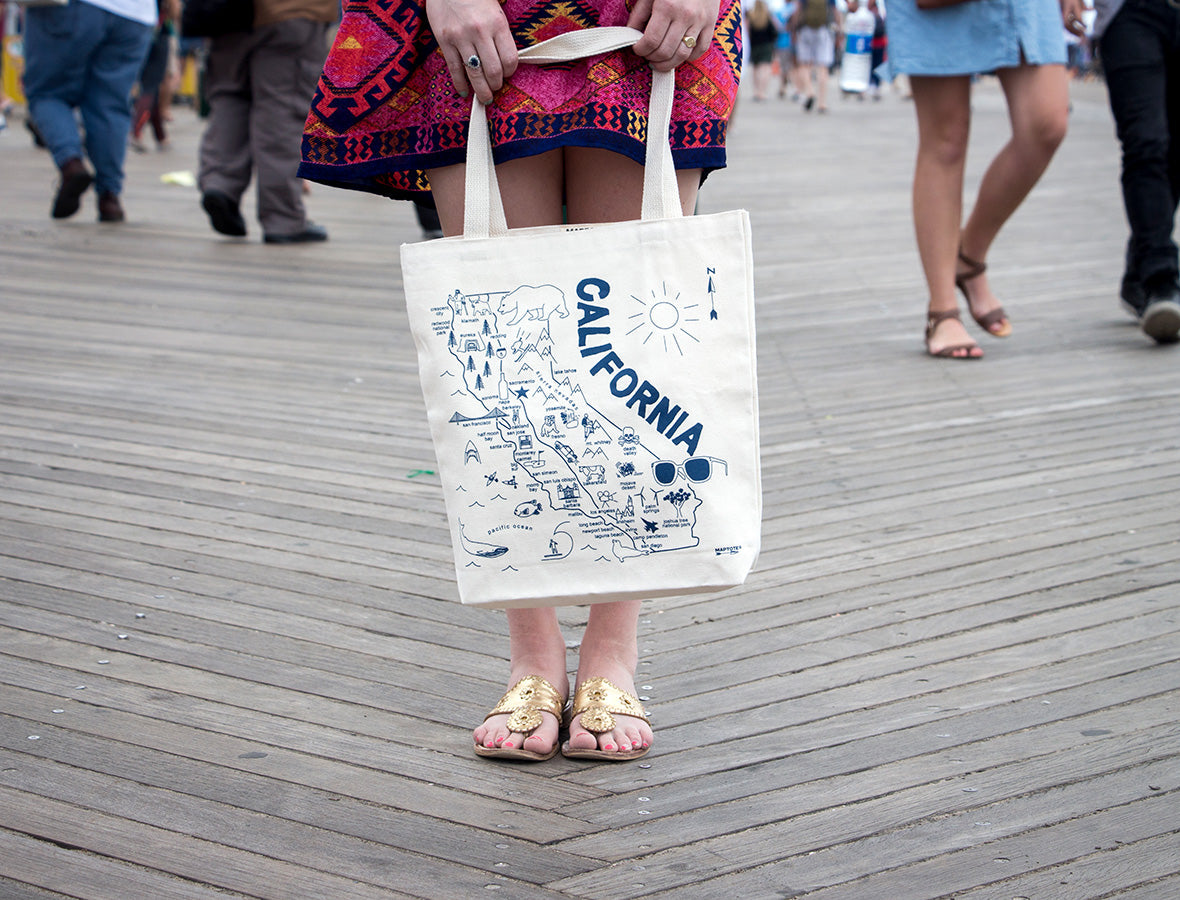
[535,304]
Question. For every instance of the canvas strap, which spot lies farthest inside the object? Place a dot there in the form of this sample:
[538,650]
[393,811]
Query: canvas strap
[484,209]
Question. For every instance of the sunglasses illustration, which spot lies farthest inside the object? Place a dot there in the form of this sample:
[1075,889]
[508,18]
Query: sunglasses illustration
[696,469]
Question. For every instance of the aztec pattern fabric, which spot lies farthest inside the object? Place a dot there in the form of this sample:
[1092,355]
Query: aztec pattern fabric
[385,109]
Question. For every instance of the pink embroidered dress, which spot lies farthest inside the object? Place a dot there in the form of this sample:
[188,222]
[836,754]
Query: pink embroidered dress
[385,109]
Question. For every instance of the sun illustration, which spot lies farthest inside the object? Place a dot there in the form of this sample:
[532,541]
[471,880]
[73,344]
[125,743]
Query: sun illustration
[664,318]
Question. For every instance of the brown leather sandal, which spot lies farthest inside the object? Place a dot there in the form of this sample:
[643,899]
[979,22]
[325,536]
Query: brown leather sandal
[933,320]
[997,316]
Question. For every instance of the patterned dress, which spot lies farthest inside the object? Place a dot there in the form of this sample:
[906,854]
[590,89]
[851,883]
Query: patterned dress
[385,109]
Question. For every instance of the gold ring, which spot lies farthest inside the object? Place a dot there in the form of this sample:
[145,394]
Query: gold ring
[689,41]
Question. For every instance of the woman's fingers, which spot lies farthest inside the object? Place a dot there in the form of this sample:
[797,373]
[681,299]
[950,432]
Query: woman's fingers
[1071,14]
[456,70]
[475,41]
[506,51]
[703,40]
[674,31]
[484,72]
[640,16]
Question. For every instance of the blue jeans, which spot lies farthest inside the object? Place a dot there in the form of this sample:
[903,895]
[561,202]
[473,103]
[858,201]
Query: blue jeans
[1141,58]
[82,57]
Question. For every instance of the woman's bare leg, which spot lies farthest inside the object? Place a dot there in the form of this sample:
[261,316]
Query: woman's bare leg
[536,647]
[530,187]
[943,106]
[602,186]
[762,73]
[532,190]
[1038,107]
[610,650]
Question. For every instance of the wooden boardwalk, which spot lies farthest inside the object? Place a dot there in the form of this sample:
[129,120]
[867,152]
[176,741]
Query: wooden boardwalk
[231,660]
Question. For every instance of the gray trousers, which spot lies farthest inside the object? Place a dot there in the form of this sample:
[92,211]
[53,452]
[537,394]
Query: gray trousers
[259,86]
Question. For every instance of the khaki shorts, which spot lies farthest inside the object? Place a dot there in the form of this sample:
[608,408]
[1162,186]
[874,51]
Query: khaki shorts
[815,47]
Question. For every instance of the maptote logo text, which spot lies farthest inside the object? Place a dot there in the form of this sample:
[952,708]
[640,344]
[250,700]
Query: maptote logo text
[669,420]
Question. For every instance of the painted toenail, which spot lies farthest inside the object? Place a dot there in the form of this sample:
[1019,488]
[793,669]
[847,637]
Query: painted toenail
[508,745]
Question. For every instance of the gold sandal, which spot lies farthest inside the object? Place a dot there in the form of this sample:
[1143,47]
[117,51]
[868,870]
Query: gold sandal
[595,700]
[526,701]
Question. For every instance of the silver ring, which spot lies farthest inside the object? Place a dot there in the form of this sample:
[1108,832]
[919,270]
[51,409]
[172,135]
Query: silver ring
[472,62]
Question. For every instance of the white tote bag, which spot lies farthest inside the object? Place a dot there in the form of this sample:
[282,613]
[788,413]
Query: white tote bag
[591,389]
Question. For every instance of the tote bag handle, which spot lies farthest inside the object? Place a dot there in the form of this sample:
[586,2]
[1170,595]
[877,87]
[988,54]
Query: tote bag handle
[483,208]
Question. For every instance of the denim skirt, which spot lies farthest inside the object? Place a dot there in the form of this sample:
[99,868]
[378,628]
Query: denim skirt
[974,37]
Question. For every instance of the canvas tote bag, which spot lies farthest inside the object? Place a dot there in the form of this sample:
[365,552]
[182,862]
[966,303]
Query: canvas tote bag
[591,389]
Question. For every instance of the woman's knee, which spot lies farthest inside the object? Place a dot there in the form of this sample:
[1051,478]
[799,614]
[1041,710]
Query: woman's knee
[947,146]
[1048,129]
[943,106]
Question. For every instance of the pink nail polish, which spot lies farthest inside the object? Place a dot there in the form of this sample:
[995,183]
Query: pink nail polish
[507,745]
[608,746]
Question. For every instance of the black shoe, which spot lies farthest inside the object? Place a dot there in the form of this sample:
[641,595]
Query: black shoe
[309,234]
[1132,297]
[109,207]
[1161,318]
[75,179]
[224,215]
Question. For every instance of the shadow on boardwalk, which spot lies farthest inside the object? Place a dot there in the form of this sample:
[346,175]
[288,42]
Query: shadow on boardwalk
[231,663]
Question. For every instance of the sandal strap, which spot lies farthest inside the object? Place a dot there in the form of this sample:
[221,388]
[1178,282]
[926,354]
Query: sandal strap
[951,351]
[934,319]
[526,700]
[987,320]
[595,700]
[975,268]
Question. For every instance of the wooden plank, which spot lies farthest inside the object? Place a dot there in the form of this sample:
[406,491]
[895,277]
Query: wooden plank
[375,820]
[728,818]
[396,853]
[13,890]
[1168,886]
[800,872]
[919,827]
[969,576]
[1146,864]
[330,759]
[50,869]
[917,753]
[201,861]
[1152,822]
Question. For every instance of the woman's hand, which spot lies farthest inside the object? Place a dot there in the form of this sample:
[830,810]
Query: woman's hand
[473,30]
[1071,15]
[674,31]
